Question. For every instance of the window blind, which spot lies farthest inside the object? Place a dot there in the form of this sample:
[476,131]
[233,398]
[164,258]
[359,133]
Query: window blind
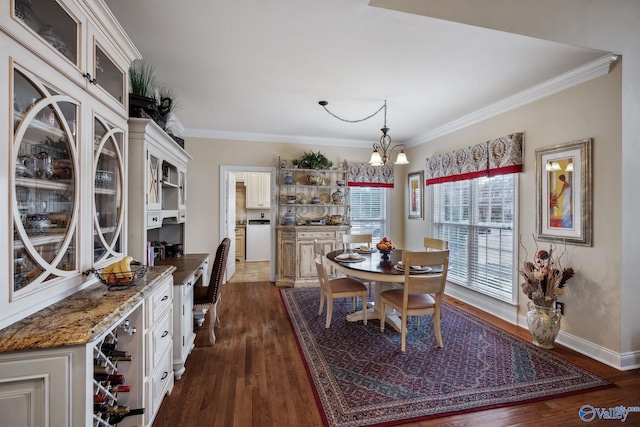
[368,211]
[476,218]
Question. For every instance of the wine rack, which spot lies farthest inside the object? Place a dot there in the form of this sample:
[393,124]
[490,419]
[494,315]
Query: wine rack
[116,388]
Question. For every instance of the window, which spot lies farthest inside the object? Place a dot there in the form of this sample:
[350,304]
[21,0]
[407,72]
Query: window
[368,211]
[476,217]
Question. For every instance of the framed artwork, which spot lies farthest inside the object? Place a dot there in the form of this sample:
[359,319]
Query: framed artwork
[564,193]
[416,205]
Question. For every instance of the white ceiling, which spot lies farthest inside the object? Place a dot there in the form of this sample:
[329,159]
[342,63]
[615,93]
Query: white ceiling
[255,69]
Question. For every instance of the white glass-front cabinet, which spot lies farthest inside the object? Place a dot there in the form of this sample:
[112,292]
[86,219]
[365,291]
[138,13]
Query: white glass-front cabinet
[66,121]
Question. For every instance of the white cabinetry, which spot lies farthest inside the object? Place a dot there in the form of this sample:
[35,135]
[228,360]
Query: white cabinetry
[157,186]
[258,190]
[52,375]
[159,343]
[64,108]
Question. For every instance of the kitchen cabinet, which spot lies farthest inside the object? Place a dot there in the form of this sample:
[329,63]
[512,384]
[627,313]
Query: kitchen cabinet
[51,374]
[157,187]
[67,148]
[240,243]
[191,270]
[258,190]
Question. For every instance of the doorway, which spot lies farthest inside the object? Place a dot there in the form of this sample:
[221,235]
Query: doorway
[235,220]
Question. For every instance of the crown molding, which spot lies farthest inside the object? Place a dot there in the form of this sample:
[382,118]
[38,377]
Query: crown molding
[582,74]
[263,137]
[592,70]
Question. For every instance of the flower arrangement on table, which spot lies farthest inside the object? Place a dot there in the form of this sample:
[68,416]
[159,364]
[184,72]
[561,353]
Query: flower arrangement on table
[544,276]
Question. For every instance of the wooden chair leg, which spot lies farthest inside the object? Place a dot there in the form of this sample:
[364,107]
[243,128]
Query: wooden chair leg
[322,297]
[436,328]
[403,333]
[383,316]
[213,308]
[329,312]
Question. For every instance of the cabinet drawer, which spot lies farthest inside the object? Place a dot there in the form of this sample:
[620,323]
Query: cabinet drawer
[316,234]
[161,382]
[160,340]
[160,301]
[188,286]
[154,220]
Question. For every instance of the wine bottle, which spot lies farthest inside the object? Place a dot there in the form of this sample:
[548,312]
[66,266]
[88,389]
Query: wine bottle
[117,409]
[121,389]
[100,369]
[114,379]
[100,407]
[119,353]
[115,419]
[107,346]
[100,398]
[121,358]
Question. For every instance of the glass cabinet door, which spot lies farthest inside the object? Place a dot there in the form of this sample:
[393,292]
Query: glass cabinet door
[53,24]
[45,190]
[153,182]
[108,190]
[108,76]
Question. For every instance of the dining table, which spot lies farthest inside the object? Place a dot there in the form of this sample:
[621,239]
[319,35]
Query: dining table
[384,271]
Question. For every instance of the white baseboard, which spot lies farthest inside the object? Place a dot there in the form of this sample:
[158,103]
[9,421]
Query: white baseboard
[509,313]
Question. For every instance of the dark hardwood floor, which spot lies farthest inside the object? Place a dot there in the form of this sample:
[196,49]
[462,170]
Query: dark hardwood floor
[254,376]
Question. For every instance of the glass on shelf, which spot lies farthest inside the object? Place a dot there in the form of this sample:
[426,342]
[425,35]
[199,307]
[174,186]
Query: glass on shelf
[52,23]
[45,183]
[108,190]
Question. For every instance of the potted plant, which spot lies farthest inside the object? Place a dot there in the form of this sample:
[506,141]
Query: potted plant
[311,160]
[142,88]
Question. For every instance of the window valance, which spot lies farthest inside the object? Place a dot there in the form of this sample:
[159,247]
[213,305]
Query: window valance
[365,175]
[496,157]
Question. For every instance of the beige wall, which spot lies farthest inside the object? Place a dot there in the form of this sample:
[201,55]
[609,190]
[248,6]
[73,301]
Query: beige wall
[590,110]
[203,193]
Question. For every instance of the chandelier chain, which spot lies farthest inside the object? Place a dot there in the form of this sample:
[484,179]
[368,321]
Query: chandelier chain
[384,107]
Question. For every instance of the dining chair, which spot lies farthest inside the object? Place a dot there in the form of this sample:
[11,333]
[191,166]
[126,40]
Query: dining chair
[431,243]
[341,287]
[415,298]
[348,239]
[208,297]
[364,239]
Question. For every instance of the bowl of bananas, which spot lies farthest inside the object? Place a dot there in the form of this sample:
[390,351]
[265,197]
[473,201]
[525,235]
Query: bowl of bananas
[122,274]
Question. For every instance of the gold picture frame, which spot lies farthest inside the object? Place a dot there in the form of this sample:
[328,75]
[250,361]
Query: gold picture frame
[416,192]
[564,193]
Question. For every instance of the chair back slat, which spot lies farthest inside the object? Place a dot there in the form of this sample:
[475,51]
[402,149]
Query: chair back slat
[437,244]
[431,284]
[348,239]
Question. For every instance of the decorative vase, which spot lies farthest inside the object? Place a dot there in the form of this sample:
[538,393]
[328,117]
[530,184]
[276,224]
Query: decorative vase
[314,178]
[287,177]
[544,324]
[338,197]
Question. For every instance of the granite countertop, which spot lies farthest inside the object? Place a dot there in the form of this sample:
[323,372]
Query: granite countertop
[185,266]
[80,318]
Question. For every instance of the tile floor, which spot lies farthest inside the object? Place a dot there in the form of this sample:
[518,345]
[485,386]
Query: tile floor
[256,271]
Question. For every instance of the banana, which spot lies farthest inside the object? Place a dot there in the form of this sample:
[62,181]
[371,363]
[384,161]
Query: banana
[125,267]
[104,274]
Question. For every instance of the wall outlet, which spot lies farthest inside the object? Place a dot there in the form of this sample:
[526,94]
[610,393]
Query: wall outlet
[560,306]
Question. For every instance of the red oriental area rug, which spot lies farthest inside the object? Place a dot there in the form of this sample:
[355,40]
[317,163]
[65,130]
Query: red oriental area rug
[361,378]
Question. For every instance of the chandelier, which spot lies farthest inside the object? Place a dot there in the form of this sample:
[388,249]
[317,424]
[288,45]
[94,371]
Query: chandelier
[381,151]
